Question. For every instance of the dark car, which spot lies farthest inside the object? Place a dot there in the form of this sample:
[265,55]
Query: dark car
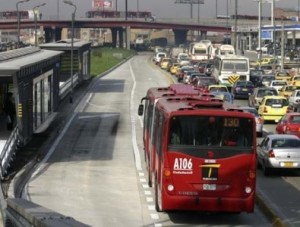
[208,69]
[242,89]
[204,82]
[255,75]
[265,80]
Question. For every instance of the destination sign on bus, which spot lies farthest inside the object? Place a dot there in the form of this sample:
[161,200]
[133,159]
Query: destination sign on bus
[232,122]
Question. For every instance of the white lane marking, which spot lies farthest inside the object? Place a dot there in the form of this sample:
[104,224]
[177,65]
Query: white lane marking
[141,174]
[149,199]
[154,216]
[158,225]
[143,180]
[146,186]
[147,192]
[151,207]
[138,163]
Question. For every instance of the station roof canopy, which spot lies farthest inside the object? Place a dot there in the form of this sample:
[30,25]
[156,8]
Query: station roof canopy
[65,44]
[14,60]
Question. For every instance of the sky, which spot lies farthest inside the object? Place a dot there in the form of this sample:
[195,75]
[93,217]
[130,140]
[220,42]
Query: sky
[159,8]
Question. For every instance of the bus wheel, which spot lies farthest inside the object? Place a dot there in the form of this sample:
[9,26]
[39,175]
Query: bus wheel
[149,178]
[157,207]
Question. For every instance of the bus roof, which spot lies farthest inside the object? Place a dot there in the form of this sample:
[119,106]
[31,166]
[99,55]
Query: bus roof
[172,90]
[231,57]
[205,103]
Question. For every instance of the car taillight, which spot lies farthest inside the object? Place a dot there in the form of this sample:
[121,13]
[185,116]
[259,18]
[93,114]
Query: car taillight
[271,154]
[265,109]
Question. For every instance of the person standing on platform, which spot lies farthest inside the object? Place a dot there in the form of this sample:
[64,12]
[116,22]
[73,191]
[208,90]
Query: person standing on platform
[10,111]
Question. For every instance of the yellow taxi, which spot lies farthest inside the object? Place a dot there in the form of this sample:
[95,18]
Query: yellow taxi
[266,61]
[287,90]
[282,76]
[164,63]
[295,80]
[272,108]
[174,67]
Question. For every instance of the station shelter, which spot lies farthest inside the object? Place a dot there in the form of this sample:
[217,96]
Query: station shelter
[30,76]
[81,61]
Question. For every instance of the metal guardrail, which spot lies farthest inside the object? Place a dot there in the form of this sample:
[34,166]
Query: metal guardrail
[66,87]
[9,151]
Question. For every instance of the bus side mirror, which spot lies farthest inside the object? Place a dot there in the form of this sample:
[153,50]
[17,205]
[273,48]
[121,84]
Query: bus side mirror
[141,110]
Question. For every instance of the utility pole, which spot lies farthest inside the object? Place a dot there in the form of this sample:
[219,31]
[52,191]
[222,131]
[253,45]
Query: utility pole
[235,25]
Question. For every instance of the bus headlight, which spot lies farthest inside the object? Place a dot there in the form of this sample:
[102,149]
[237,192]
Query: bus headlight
[170,187]
[248,190]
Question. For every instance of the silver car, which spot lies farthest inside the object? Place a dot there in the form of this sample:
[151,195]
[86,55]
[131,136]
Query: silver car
[278,151]
[259,120]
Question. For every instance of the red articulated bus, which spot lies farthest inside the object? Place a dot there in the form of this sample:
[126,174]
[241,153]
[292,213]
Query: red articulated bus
[204,154]
[153,95]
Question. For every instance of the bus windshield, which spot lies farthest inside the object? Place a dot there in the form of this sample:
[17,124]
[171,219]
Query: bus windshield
[206,131]
[235,65]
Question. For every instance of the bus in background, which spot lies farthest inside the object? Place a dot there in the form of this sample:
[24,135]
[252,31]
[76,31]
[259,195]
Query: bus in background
[225,49]
[229,66]
[153,95]
[199,52]
[205,157]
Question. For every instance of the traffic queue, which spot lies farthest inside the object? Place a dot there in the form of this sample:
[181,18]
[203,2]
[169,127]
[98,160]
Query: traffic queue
[273,96]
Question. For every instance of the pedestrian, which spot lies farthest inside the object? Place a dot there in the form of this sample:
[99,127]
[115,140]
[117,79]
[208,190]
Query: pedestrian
[10,111]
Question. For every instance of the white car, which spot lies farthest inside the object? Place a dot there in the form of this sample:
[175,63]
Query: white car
[278,84]
[158,56]
[294,99]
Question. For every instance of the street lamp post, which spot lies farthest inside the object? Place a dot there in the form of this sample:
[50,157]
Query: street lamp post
[35,21]
[69,2]
[18,20]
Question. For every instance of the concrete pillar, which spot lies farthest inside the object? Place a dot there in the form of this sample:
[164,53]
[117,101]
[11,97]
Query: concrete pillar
[249,41]
[49,35]
[180,36]
[58,34]
[294,39]
[203,34]
[114,32]
[121,40]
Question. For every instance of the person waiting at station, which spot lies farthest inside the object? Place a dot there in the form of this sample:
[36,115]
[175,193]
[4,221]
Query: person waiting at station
[10,111]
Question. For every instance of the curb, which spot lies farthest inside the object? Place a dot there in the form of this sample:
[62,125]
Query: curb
[268,212]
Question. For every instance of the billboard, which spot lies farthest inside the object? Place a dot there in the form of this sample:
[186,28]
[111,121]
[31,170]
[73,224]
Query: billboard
[102,4]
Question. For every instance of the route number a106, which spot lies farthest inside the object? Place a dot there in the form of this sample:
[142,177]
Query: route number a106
[183,164]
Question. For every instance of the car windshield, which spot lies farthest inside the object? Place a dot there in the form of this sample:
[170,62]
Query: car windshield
[295,119]
[281,102]
[244,83]
[279,83]
[286,143]
[252,110]
[262,93]
[220,89]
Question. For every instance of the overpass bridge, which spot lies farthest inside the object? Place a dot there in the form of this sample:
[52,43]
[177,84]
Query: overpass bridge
[120,27]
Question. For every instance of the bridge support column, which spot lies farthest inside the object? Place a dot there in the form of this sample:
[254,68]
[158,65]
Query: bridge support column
[203,34]
[180,36]
[58,34]
[294,39]
[121,40]
[49,35]
[114,33]
[52,34]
